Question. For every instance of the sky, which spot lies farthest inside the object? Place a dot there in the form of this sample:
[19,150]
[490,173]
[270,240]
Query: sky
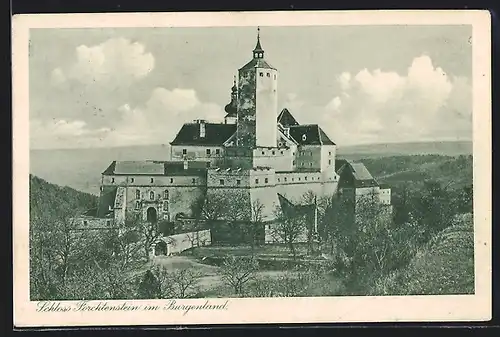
[363,84]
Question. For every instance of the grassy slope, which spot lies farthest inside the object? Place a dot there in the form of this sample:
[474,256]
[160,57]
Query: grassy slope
[444,266]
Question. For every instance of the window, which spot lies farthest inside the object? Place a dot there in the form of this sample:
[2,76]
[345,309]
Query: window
[261,74]
[184,151]
[208,164]
[299,178]
[217,151]
[273,153]
[152,180]
[165,194]
[137,194]
[208,152]
[108,222]
[171,180]
[256,181]
[112,180]
[268,74]
[85,222]
[263,152]
[131,180]
[330,153]
[285,178]
[274,76]
[165,206]
[293,179]
[193,181]
[281,152]
[293,163]
[137,205]
[266,180]
[305,178]
[238,182]
[304,137]
[221,182]
[310,164]
[330,162]
[301,164]
[152,195]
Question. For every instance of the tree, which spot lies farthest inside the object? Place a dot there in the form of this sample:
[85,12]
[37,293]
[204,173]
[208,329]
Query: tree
[255,224]
[149,288]
[288,229]
[238,271]
[148,232]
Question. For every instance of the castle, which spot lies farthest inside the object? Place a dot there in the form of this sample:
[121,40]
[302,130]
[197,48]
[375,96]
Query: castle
[256,154]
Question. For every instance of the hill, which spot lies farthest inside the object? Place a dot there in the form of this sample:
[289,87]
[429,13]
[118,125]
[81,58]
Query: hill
[444,266]
[48,200]
[445,148]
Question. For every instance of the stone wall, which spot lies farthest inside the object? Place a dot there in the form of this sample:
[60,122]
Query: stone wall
[176,244]
[198,153]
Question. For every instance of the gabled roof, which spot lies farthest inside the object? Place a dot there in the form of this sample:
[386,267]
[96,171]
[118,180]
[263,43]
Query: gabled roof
[310,134]
[257,63]
[215,134]
[291,210]
[286,119]
[355,175]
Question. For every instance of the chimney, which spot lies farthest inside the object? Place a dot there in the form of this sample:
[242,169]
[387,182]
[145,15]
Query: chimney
[201,122]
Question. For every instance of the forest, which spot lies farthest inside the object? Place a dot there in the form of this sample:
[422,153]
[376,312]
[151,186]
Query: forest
[425,246]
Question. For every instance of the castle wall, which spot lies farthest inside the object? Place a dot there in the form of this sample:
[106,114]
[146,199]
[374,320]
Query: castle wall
[198,153]
[309,157]
[266,107]
[280,159]
[180,242]
[152,180]
[246,126]
[328,153]
[385,196]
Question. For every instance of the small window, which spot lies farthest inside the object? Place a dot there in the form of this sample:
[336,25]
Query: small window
[266,180]
[193,181]
[85,222]
[131,180]
[263,152]
[208,152]
[293,179]
[293,163]
[137,194]
[274,76]
[281,152]
[301,164]
[310,164]
[305,178]
[101,188]
[273,153]
[165,206]
[171,180]
[184,151]
[137,205]
[152,195]
[238,182]
[330,153]
[330,162]
[165,194]
[256,181]
[208,164]
[285,179]
[221,182]
[278,179]
[261,74]
[268,74]
[152,180]
[299,178]
[304,137]
[112,180]
[108,222]
[217,151]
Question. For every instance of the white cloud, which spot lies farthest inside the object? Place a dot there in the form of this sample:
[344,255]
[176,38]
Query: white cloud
[117,60]
[57,77]
[379,106]
[156,121]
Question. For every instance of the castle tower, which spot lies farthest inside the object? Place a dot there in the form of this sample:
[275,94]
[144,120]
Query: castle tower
[257,102]
[232,107]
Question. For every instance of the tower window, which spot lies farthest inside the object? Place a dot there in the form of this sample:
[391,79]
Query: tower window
[266,180]
[256,181]
[274,76]
[330,153]
[131,180]
[184,151]
[217,151]
[238,182]
[261,74]
[281,152]
[208,152]
[330,162]
[273,153]
[152,180]
[221,182]
[112,180]
[137,194]
[268,75]
[152,195]
[171,180]
[165,194]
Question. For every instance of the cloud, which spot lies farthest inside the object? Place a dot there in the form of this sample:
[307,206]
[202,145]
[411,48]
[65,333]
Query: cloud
[117,61]
[384,106]
[156,121]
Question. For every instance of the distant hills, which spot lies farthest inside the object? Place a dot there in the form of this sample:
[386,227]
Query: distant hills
[81,168]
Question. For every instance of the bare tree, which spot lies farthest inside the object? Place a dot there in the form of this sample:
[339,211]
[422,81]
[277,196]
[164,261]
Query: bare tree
[148,231]
[255,224]
[238,271]
[289,228]
[177,283]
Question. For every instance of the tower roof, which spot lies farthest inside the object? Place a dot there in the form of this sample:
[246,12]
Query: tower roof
[258,57]
[258,47]
[285,118]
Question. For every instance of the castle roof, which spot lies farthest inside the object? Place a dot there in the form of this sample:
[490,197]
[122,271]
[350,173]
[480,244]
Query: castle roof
[215,134]
[257,63]
[286,119]
[156,168]
[355,175]
[310,134]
